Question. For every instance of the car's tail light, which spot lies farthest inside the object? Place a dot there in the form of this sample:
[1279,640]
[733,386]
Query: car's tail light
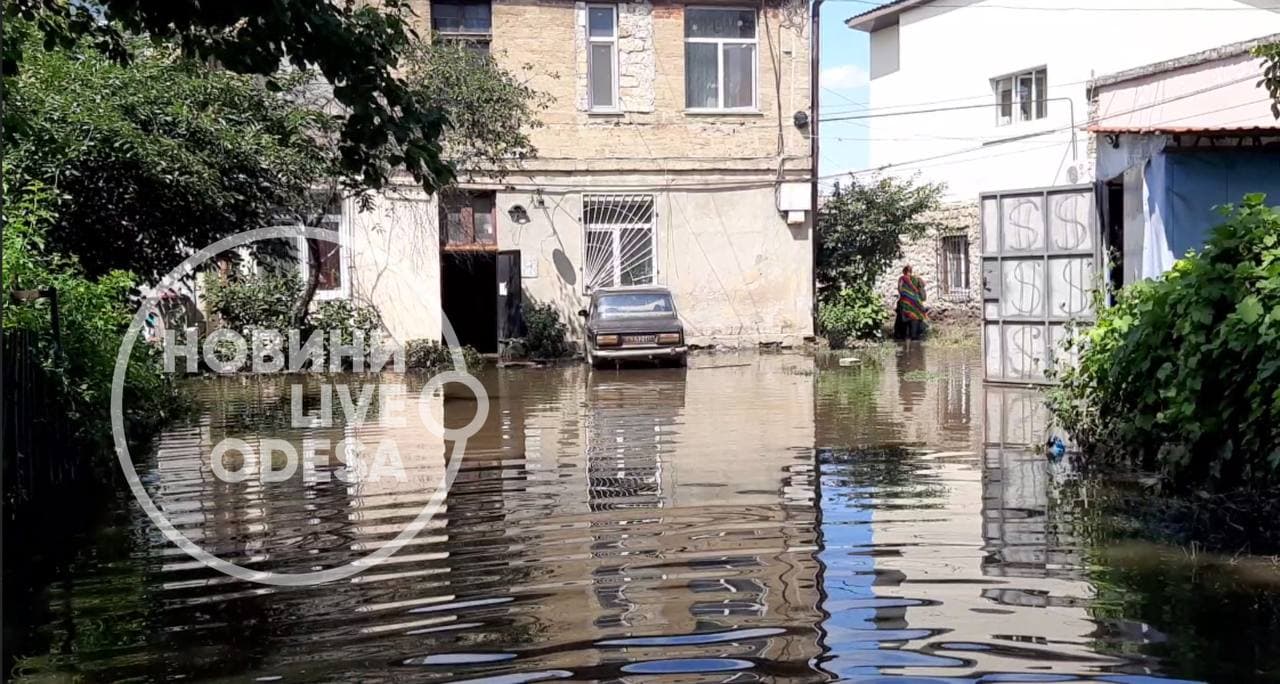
[607,340]
[669,338]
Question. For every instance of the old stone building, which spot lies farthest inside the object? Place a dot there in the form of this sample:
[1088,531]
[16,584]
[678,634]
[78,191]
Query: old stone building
[948,259]
[671,154]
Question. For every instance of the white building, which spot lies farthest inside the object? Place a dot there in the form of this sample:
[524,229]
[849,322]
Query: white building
[991,98]
[1005,80]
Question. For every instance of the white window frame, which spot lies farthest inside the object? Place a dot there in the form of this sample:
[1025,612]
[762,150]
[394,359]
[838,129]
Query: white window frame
[1037,106]
[343,226]
[616,232]
[720,43]
[612,41]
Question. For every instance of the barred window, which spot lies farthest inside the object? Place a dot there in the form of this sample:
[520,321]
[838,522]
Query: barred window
[955,265]
[619,240]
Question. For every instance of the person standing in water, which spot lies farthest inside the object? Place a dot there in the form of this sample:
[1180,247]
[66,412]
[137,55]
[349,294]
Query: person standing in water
[911,298]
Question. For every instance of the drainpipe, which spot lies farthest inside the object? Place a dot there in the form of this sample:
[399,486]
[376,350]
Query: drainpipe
[815,54]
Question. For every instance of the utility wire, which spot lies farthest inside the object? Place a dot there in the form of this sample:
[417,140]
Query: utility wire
[934,110]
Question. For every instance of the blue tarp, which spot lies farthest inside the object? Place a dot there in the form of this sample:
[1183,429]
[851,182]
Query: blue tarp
[1196,181]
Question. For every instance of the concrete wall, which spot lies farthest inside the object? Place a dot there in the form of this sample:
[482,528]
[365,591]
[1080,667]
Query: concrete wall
[949,52]
[924,255]
[740,275]
[395,250]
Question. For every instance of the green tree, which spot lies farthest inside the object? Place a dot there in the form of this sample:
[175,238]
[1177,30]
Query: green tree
[1270,54]
[155,158]
[382,123]
[94,313]
[491,110]
[861,228]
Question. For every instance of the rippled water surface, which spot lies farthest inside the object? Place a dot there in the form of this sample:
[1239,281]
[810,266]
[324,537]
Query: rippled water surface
[756,517]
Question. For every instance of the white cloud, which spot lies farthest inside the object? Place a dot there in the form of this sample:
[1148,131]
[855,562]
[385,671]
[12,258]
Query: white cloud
[843,77]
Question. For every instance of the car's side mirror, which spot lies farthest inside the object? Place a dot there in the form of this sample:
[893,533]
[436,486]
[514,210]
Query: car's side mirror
[582,312]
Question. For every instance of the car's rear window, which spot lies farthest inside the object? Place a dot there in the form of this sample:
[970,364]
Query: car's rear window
[635,304]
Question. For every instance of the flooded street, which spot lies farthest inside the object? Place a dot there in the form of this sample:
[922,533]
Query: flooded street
[752,518]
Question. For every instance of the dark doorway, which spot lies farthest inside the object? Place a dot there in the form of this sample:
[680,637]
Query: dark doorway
[469,297]
[510,297]
[1113,241]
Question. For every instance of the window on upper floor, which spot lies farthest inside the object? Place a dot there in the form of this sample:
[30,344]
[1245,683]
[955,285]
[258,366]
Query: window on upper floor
[469,22]
[602,56]
[468,220]
[719,58]
[1021,96]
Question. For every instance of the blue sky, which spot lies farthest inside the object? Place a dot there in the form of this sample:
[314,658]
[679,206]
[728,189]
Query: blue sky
[843,80]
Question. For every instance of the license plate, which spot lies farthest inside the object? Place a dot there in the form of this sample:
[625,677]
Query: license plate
[639,339]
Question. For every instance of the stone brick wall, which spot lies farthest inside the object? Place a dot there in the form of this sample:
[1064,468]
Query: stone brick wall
[543,41]
[925,257]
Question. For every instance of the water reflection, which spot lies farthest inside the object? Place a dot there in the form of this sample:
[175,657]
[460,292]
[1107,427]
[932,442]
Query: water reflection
[755,517]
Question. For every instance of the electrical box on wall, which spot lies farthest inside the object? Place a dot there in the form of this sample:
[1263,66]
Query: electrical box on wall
[794,200]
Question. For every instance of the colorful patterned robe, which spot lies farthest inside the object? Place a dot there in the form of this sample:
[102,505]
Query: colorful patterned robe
[911,298]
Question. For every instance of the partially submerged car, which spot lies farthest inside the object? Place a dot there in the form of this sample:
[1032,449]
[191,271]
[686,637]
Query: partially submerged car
[633,324]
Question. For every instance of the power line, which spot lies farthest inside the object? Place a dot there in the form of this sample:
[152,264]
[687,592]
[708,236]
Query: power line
[1050,131]
[873,115]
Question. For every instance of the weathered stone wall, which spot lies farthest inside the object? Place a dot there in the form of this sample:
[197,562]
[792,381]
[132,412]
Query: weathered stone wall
[542,41]
[924,255]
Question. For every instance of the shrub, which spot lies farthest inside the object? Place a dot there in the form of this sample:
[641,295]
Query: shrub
[95,313]
[431,355]
[250,301]
[1182,375]
[546,336]
[852,314]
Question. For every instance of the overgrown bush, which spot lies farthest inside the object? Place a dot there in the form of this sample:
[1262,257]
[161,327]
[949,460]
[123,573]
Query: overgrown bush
[345,317]
[95,314]
[1182,375]
[862,225]
[430,355]
[852,314]
[251,301]
[546,336]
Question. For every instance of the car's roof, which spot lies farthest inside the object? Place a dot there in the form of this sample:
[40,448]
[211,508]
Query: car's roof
[631,289]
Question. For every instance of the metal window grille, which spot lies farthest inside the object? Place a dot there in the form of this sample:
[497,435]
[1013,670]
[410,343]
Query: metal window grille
[955,266]
[619,240]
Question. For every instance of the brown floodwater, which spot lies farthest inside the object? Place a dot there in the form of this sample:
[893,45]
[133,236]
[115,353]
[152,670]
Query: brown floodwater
[756,517]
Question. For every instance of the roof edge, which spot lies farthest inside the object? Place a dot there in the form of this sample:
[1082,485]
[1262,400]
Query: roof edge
[1183,62]
[883,16]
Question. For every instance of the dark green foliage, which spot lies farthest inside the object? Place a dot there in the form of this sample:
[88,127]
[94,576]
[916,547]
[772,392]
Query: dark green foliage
[1182,375]
[861,228]
[546,336]
[153,159]
[490,110]
[356,46]
[94,316]
[1270,54]
[249,301]
[430,355]
[852,314]
[345,317]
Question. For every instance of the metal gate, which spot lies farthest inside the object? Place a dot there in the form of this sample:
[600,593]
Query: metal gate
[1040,251]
